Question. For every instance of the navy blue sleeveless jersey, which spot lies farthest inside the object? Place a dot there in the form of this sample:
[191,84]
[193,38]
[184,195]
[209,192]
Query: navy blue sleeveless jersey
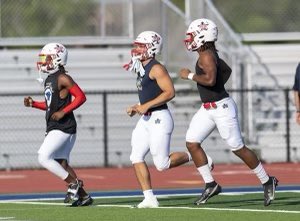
[296,86]
[212,93]
[54,103]
[148,89]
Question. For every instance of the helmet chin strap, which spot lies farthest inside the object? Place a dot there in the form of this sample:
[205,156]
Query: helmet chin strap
[135,66]
[40,79]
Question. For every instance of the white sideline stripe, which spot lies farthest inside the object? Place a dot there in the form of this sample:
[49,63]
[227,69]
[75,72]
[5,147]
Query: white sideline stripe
[40,203]
[135,196]
[228,209]
[9,176]
[6,218]
[214,209]
[171,207]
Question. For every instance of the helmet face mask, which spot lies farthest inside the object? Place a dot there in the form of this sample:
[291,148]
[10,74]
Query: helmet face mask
[139,51]
[146,45]
[51,57]
[199,32]
[45,63]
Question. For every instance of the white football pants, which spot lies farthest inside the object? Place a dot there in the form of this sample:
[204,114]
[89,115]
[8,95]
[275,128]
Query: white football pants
[224,117]
[153,133]
[56,145]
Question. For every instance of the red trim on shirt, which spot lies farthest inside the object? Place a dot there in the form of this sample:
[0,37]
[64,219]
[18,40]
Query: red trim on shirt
[79,96]
[39,105]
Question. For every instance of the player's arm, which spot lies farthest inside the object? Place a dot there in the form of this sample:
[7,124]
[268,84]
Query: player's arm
[164,81]
[29,102]
[297,101]
[67,85]
[297,104]
[296,92]
[208,63]
[79,97]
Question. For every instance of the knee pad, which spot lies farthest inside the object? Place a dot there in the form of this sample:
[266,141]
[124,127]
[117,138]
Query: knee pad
[136,159]
[162,164]
[235,144]
[43,159]
[236,149]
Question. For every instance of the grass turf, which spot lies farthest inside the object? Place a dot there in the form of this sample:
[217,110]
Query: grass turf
[248,207]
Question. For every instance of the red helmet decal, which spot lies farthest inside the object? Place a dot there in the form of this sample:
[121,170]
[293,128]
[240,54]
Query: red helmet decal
[203,26]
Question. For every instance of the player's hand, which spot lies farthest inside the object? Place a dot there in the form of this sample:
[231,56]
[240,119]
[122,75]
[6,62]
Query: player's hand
[28,101]
[184,73]
[141,109]
[58,115]
[131,111]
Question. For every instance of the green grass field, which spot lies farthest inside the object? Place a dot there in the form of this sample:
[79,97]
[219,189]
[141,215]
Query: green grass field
[237,207]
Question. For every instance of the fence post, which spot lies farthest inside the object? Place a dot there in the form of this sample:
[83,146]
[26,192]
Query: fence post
[105,128]
[288,134]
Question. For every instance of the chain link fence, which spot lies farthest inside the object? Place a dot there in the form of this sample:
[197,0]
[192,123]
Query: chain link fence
[104,129]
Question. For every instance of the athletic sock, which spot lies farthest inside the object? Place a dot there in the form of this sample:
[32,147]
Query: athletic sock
[148,194]
[205,173]
[190,156]
[261,173]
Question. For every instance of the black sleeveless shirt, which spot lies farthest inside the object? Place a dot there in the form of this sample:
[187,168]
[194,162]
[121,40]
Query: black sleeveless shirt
[212,93]
[148,89]
[54,103]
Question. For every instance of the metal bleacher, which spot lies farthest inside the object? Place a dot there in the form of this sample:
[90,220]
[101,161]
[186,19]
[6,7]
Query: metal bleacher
[95,70]
[280,62]
[91,68]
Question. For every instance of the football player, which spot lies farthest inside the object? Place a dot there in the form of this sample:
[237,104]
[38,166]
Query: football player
[59,89]
[154,129]
[218,110]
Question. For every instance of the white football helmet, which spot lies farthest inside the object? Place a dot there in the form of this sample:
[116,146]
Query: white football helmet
[200,31]
[147,45]
[51,57]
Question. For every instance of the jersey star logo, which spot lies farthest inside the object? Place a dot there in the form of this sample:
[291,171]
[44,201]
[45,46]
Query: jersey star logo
[157,121]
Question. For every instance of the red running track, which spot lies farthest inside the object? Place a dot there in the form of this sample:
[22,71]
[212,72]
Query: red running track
[99,179]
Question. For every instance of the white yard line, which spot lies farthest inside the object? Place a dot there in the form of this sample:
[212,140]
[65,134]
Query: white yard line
[172,207]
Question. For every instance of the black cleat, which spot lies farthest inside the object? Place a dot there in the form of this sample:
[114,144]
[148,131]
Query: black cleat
[85,201]
[208,193]
[72,191]
[269,190]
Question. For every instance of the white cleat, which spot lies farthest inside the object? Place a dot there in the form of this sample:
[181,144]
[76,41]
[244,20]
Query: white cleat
[148,203]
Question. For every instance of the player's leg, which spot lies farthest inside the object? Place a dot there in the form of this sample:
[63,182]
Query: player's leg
[179,158]
[84,199]
[161,128]
[57,145]
[229,129]
[196,134]
[269,183]
[62,156]
[140,147]
[53,142]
